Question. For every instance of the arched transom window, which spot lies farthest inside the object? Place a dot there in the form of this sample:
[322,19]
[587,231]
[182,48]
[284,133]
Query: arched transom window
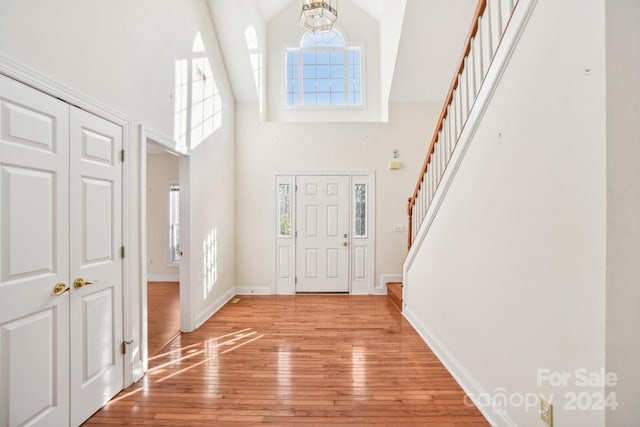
[324,71]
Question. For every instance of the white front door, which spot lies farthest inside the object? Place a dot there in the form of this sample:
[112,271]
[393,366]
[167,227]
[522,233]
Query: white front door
[322,254]
[34,257]
[60,220]
[95,263]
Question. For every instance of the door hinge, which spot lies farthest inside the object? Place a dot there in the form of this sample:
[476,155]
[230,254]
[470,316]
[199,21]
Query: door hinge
[296,187]
[295,281]
[296,234]
[122,252]
[124,346]
[122,155]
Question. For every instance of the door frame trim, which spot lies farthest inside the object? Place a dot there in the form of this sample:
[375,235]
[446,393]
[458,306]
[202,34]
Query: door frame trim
[50,87]
[286,286]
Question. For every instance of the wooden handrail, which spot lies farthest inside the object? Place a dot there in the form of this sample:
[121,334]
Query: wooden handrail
[480,8]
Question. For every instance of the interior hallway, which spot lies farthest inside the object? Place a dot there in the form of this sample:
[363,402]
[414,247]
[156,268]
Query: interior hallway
[296,360]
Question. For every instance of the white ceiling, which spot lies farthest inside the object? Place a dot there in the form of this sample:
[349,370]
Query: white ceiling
[431,42]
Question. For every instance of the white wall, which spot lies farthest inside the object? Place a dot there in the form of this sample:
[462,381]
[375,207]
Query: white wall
[122,54]
[390,32]
[264,149]
[623,208]
[511,275]
[161,170]
[359,28]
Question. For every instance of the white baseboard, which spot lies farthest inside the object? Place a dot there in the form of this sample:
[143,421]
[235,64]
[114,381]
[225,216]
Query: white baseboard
[213,308]
[389,278]
[379,291]
[495,415]
[254,291]
[163,277]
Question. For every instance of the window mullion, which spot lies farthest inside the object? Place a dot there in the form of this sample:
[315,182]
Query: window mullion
[300,76]
[347,101]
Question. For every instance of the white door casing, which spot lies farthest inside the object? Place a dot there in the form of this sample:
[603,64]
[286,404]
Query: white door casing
[34,257]
[95,242]
[322,254]
[60,219]
[360,228]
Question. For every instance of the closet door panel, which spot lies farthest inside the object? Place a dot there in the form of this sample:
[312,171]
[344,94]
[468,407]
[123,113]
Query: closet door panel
[34,257]
[96,264]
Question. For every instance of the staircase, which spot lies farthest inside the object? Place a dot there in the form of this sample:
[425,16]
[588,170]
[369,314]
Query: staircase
[394,293]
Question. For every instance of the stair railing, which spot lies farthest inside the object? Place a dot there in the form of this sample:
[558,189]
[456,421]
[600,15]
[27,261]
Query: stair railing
[490,21]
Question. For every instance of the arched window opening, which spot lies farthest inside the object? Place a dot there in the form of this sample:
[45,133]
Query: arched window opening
[323,71]
[197,101]
[206,105]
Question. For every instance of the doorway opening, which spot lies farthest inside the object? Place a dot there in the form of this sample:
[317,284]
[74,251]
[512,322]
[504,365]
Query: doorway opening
[164,219]
[163,247]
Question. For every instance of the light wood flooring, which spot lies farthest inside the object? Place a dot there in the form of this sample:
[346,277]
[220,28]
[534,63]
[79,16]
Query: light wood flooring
[163,314]
[312,360]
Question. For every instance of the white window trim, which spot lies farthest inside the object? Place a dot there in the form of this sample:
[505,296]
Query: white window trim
[350,107]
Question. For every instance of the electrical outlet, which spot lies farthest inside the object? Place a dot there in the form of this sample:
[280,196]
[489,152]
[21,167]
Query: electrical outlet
[546,412]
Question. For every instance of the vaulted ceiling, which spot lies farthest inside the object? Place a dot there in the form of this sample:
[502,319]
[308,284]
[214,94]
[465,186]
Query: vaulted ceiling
[429,43]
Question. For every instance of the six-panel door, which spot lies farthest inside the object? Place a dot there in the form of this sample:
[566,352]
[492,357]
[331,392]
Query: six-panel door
[322,253]
[60,219]
[34,257]
[95,241]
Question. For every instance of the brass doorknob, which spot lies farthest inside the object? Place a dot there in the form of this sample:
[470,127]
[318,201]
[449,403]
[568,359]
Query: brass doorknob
[60,289]
[345,243]
[78,283]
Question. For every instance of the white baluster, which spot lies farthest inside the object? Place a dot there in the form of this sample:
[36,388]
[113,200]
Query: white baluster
[434,178]
[420,201]
[471,75]
[479,54]
[459,117]
[488,35]
[487,40]
[425,195]
[445,135]
[441,157]
[493,11]
[414,223]
[452,141]
[437,154]
[430,192]
[421,196]
[464,98]
[454,110]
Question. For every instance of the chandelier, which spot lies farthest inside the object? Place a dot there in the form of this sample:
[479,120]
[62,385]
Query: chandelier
[318,16]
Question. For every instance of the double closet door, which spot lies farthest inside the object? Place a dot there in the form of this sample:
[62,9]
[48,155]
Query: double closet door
[60,260]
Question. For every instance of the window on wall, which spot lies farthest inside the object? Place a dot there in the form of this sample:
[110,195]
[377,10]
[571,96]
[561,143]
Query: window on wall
[360,210]
[198,105]
[284,210]
[206,105]
[324,71]
[174,223]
